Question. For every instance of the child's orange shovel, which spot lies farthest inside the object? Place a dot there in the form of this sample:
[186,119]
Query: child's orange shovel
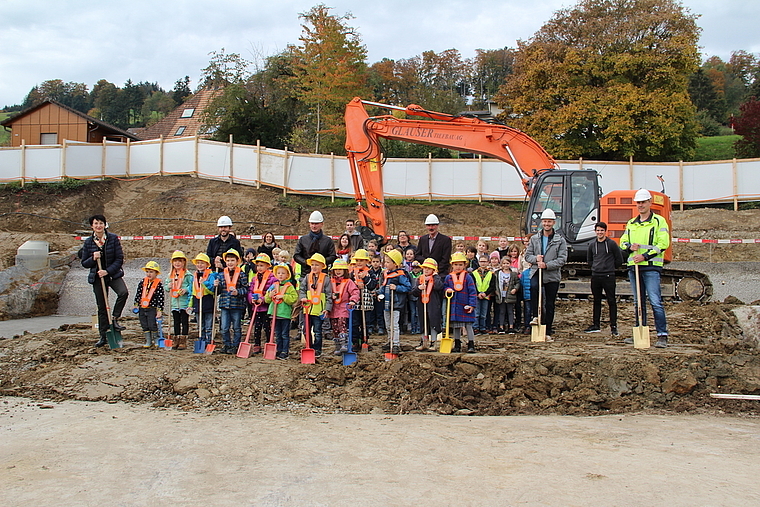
[270,347]
[244,349]
[307,353]
[211,345]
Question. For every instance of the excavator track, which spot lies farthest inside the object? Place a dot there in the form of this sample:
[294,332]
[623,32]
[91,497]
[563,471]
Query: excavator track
[677,284]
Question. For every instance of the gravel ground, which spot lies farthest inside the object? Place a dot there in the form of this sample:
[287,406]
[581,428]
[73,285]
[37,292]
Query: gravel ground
[738,279]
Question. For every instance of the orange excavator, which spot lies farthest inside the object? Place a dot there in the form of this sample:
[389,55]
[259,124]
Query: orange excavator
[574,195]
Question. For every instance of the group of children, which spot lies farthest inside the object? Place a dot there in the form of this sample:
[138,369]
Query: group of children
[355,299]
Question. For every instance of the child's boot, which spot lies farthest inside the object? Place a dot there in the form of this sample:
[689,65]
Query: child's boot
[337,351]
[470,347]
[148,340]
[433,339]
[182,342]
[457,346]
[256,346]
[343,342]
[425,345]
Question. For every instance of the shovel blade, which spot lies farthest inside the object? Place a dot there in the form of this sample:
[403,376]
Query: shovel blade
[446,345]
[244,350]
[641,337]
[365,347]
[390,356]
[210,348]
[270,350]
[307,356]
[538,333]
[114,338]
[349,358]
[199,347]
[161,343]
[168,344]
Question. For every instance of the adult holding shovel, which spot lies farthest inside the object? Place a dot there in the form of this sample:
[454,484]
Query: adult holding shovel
[103,256]
[546,252]
[645,228]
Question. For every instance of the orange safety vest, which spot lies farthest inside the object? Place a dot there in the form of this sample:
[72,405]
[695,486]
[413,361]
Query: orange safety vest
[258,285]
[149,288]
[178,278]
[316,291]
[458,280]
[428,288]
[339,289]
[231,282]
[198,282]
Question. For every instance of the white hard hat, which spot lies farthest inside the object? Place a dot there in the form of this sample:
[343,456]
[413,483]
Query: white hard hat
[316,217]
[548,214]
[642,194]
[432,220]
[224,220]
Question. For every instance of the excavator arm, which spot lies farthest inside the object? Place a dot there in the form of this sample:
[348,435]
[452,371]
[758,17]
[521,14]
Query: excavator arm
[462,133]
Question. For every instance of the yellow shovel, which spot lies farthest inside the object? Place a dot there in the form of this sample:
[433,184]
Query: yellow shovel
[538,330]
[447,343]
[640,333]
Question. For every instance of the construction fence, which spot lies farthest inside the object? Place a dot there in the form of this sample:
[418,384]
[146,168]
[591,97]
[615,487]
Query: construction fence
[427,179]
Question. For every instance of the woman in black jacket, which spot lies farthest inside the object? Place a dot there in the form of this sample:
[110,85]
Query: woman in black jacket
[106,247]
[268,244]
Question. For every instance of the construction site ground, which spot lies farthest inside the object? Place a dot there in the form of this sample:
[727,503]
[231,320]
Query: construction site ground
[317,423]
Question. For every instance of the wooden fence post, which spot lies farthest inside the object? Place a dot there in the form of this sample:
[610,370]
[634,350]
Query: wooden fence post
[232,174]
[285,174]
[430,177]
[258,163]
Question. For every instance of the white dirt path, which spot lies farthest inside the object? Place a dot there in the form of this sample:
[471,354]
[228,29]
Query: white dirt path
[77,453]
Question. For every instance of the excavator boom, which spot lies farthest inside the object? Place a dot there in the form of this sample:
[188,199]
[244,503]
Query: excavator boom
[463,133]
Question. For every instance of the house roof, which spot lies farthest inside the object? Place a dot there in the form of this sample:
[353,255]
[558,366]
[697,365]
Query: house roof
[184,120]
[103,125]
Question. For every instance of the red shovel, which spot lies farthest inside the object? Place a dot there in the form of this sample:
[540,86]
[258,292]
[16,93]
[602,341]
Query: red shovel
[307,353]
[270,347]
[244,349]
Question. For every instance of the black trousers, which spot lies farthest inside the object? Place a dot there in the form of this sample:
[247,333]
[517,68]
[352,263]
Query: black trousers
[120,288]
[550,290]
[606,284]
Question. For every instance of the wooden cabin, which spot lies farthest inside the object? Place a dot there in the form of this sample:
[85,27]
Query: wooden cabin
[51,122]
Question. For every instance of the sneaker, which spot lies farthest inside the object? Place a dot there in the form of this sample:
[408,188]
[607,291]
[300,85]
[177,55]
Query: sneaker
[457,347]
[256,349]
[662,342]
[511,330]
[317,353]
[470,347]
[592,329]
[549,338]
[386,348]
[628,341]
[614,331]
[501,331]
[526,330]
[534,322]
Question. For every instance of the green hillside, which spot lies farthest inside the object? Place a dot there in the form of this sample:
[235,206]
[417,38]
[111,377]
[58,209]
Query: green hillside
[715,148]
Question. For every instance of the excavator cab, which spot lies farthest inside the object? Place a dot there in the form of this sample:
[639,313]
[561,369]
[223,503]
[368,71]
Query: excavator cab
[574,198]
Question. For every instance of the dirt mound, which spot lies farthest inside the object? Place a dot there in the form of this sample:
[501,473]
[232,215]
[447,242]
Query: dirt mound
[581,374]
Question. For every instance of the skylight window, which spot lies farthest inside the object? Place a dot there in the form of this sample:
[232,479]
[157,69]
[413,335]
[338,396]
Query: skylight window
[180,131]
[188,113]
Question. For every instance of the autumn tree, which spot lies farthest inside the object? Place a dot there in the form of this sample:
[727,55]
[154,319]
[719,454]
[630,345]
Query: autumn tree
[607,79]
[74,95]
[747,125]
[329,69]
[489,70]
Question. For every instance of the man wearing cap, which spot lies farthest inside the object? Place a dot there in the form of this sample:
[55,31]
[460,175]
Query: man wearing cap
[546,251]
[314,242]
[644,241]
[223,242]
[435,245]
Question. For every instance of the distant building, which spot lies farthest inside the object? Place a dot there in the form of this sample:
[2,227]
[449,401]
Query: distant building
[51,122]
[183,121]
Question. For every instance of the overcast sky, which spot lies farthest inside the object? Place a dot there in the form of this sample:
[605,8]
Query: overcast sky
[162,41]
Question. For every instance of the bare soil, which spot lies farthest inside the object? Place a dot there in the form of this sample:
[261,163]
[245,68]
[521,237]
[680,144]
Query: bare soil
[579,374]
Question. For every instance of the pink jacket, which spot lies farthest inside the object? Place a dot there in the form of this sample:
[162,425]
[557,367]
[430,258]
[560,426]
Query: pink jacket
[350,293]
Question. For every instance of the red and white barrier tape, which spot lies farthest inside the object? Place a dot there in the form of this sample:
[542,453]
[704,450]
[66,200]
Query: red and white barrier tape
[455,238]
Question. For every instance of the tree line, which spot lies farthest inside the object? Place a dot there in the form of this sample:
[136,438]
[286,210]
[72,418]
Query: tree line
[603,79]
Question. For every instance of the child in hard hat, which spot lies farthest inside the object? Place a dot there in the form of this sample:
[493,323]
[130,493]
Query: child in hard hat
[366,284]
[233,289]
[150,301]
[507,285]
[345,296]
[461,284]
[429,290]
[393,292]
[249,269]
[260,282]
[203,296]
[315,294]
[179,285]
[283,293]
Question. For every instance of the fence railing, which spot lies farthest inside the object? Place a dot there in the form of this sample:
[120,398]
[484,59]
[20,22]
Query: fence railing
[427,179]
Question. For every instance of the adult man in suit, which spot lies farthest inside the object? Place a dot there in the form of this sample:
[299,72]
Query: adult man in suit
[435,246]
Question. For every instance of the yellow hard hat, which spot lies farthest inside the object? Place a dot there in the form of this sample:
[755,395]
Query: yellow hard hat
[395,256]
[458,257]
[430,263]
[152,265]
[231,251]
[281,266]
[360,254]
[202,257]
[179,254]
[340,264]
[317,257]
[262,257]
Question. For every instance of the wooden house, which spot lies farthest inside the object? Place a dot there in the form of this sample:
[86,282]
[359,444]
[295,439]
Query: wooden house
[51,122]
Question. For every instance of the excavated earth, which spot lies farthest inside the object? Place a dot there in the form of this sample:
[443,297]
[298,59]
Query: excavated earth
[578,374]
